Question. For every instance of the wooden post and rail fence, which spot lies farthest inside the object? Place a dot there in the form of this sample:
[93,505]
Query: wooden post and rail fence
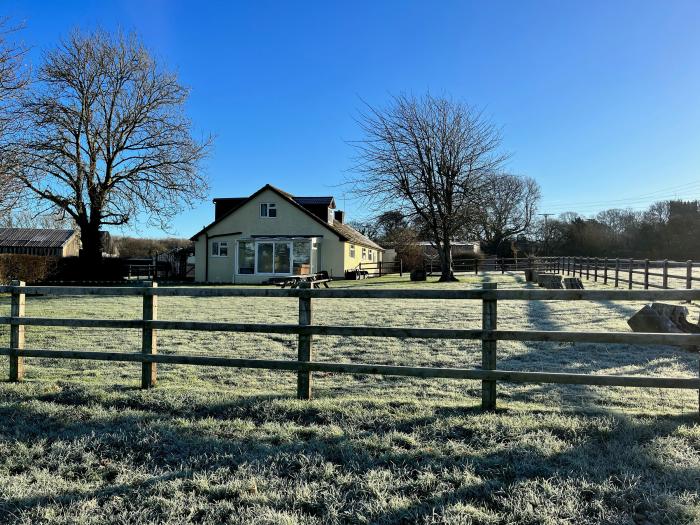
[643,273]
[614,271]
[379,268]
[305,365]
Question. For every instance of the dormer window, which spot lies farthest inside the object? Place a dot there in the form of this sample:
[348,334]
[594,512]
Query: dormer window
[268,209]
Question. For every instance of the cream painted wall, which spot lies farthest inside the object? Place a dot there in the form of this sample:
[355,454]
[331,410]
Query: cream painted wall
[72,247]
[353,262]
[247,221]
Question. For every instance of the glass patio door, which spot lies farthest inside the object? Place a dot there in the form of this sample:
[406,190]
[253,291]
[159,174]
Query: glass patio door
[274,257]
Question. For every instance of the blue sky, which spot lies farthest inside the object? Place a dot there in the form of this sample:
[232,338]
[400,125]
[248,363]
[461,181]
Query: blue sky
[598,101]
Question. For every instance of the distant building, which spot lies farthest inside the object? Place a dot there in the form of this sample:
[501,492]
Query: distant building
[459,249]
[109,247]
[40,241]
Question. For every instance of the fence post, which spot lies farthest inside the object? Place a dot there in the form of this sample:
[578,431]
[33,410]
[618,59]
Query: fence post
[595,269]
[588,268]
[689,274]
[380,268]
[17,332]
[476,266]
[489,321]
[304,348]
[665,274]
[400,267]
[617,272]
[646,274]
[149,343]
[605,271]
[580,267]
[629,274]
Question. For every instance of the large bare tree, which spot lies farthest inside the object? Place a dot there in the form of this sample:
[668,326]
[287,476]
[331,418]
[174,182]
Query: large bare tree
[13,80]
[430,157]
[509,208]
[108,140]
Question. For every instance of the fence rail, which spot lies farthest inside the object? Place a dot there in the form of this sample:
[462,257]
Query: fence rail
[306,331]
[622,272]
[379,268]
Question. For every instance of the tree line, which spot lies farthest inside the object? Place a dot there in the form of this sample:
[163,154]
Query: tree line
[666,230]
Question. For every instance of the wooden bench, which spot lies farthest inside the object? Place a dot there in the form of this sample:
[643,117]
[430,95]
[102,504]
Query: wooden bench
[315,280]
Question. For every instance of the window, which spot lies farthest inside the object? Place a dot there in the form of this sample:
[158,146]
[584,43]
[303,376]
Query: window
[274,257]
[219,249]
[301,251]
[352,250]
[266,252]
[246,257]
[268,209]
[277,257]
[283,257]
[364,253]
[369,254]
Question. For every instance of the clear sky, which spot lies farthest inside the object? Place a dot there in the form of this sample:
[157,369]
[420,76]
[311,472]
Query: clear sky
[599,101]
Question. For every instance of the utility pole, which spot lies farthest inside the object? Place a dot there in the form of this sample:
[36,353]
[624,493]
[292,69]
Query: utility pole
[546,233]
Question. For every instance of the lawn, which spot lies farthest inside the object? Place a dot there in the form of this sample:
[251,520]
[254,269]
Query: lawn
[81,443]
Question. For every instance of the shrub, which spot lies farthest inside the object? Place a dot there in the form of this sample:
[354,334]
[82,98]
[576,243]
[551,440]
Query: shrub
[29,268]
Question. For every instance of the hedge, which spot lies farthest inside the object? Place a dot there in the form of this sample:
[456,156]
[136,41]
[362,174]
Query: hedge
[29,268]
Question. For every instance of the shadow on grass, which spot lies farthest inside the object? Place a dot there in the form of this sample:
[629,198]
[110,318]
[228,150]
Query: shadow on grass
[483,460]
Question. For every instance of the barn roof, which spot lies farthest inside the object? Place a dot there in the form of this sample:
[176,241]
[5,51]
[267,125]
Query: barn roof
[35,237]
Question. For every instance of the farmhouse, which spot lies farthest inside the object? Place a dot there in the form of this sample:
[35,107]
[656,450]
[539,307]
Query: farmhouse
[274,234]
[40,241]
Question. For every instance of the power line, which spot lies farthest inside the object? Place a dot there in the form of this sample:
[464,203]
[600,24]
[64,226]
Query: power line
[632,203]
[668,192]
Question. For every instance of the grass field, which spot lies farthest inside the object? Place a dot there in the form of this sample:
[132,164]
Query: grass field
[81,443]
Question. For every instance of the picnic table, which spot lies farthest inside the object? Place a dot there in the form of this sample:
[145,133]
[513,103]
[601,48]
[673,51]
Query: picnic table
[315,280]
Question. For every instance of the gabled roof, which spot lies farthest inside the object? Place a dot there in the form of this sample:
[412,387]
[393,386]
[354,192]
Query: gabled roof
[343,231]
[35,237]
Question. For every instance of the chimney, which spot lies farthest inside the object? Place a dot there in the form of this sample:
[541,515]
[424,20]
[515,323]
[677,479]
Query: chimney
[339,216]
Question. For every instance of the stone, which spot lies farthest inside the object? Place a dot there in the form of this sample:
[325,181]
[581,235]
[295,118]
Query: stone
[551,281]
[418,275]
[663,318]
[573,283]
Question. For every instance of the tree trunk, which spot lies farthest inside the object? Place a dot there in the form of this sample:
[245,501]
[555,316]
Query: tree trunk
[91,251]
[445,251]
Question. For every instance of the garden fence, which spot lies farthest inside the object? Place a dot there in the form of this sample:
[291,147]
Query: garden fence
[306,330]
[662,274]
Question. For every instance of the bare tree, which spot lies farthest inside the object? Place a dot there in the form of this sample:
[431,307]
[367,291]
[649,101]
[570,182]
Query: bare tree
[24,218]
[429,157]
[13,80]
[108,138]
[509,207]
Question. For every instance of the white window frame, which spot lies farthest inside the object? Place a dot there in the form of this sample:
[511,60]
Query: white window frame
[364,253]
[269,206]
[218,245]
[352,251]
[274,243]
[313,245]
[369,255]
[236,268]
